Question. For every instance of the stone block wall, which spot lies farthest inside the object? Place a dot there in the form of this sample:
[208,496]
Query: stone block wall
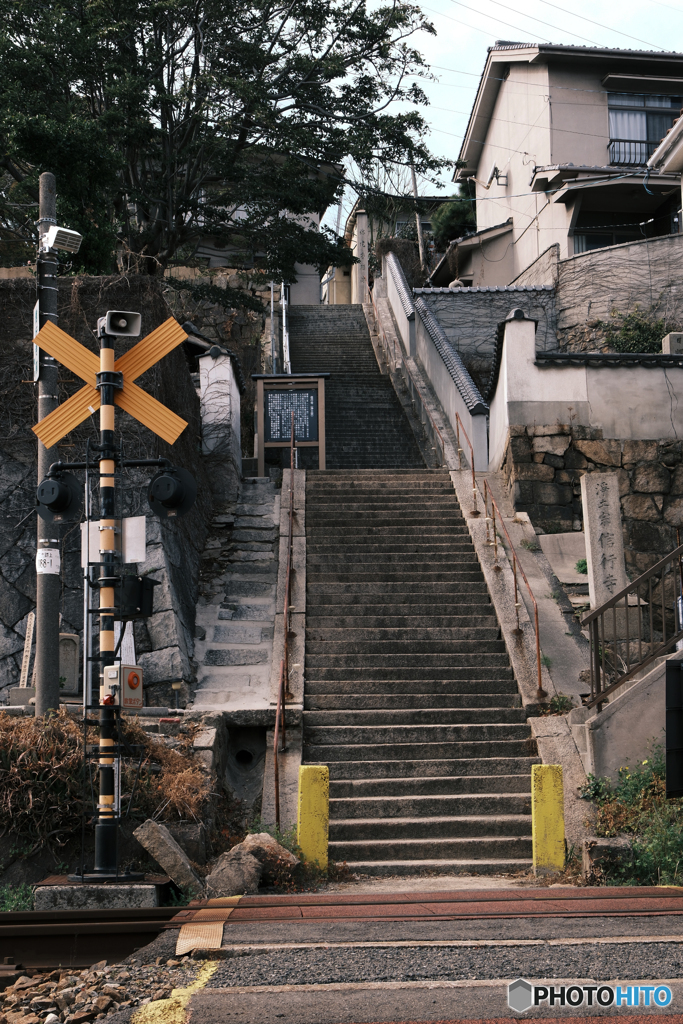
[165,642]
[469,318]
[544,464]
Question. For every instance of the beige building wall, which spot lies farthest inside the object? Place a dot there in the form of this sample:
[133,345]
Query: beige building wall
[580,122]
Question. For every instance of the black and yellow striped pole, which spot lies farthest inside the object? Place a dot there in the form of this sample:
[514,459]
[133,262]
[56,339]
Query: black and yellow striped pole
[108,380]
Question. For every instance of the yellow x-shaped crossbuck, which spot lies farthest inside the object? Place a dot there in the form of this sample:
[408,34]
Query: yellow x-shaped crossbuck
[66,350]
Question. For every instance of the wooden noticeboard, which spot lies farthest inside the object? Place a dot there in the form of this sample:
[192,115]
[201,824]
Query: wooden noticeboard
[279,395]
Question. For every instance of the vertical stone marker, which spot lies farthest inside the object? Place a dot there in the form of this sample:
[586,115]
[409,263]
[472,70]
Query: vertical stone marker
[604,539]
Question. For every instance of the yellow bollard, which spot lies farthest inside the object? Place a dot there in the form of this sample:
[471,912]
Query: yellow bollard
[313,816]
[547,818]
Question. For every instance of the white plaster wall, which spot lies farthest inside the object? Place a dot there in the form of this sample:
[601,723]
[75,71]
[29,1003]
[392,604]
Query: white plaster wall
[402,322]
[630,403]
[449,396]
[580,122]
[219,401]
[306,290]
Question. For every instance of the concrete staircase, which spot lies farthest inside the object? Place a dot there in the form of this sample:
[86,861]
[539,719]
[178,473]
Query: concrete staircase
[409,696]
[366,426]
[236,608]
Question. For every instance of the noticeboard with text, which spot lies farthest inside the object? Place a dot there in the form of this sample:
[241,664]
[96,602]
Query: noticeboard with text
[279,406]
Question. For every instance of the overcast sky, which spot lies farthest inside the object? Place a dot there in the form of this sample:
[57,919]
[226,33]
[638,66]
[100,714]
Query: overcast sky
[465,28]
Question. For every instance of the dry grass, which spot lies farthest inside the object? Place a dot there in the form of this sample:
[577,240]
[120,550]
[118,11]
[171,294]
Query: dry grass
[41,779]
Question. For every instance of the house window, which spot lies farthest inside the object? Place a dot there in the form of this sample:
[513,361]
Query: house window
[637,124]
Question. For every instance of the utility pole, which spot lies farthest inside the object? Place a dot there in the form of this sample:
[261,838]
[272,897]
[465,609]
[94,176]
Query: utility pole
[47,548]
[423,262]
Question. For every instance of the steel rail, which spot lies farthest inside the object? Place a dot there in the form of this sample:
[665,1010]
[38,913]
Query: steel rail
[516,566]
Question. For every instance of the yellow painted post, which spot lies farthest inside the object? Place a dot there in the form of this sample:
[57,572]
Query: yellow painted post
[313,814]
[547,818]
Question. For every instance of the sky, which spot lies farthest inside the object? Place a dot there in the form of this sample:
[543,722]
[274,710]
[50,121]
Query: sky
[465,28]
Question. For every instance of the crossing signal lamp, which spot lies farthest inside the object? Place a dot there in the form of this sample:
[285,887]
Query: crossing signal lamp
[172,492]
[59,498]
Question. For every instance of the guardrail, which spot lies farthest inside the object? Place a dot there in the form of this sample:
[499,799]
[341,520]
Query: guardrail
[625,637]
[461,451]
[283,693]
[516,568]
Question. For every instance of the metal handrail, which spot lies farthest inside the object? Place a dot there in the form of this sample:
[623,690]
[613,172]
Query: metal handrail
[284,694]
[414,383]
[516,565]
[612,660]
[286,361]
[461,451]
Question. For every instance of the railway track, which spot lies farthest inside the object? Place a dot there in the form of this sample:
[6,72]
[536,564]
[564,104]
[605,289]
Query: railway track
[77,938]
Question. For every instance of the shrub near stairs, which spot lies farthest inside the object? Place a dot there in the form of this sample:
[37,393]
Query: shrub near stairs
[637,806]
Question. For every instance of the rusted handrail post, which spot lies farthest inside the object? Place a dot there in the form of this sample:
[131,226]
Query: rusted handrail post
[540,692]
[458,425]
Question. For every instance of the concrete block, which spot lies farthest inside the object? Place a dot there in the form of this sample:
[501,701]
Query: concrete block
[205,739]
[313,813]
[160,844]
[95,897]
[598,854]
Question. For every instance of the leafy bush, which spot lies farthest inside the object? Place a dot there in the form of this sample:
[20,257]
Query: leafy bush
[637,805]
[16,897]
[636,331]
[582,566]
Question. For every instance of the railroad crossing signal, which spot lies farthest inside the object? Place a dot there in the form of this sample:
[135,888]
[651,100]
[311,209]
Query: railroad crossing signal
[129,397]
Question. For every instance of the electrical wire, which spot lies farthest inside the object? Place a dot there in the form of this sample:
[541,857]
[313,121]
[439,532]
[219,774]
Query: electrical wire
[546,23]
[609,28]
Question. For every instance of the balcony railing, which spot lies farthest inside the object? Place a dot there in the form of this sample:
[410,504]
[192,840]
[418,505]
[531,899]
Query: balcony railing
[630,152]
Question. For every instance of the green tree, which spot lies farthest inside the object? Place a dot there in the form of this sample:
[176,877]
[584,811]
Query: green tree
[168,122]
[455,219]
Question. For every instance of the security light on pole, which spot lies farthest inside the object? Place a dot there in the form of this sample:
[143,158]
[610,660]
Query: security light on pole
[61,238]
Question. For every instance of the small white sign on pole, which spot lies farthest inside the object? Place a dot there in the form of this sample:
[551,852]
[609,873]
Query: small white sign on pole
[48,562]
[36,350]
[131,541]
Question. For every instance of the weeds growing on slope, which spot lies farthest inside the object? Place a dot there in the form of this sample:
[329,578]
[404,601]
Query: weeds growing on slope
[637,806]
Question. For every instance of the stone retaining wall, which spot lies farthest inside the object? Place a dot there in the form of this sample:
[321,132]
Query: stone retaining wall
[164,642]
[544,464]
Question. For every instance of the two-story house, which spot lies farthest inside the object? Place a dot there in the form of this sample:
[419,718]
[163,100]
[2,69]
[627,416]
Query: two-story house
[557,143]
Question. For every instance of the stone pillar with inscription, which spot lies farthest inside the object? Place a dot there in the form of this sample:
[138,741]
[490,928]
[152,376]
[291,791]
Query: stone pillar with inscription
[604,539]
[362,254]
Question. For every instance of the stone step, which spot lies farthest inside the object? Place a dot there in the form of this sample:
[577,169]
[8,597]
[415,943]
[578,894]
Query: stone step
[407,639]
[405,652]
[464,593]
[321,624]
[414,716]
[413,553]
[439,751]
[427,866]
[460,678]
[448,786]
[473,596]
[487,825]
[435,768]
[416,732]
[512,847]
[411,575]
[389,702]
